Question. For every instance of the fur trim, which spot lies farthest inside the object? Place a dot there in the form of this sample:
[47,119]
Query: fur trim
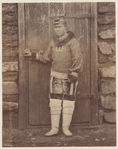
[63,42]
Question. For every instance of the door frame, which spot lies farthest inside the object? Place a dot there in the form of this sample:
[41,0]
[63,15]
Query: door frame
[23,64]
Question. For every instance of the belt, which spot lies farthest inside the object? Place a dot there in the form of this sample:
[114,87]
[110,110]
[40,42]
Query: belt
[59,75]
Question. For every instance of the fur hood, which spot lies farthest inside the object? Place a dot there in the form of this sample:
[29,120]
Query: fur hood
[63,42]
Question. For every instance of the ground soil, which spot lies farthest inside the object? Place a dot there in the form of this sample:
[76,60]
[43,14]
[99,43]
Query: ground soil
[99,135]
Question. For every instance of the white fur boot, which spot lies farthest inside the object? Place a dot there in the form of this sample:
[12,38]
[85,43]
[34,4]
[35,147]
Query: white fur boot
[68,108]
[55,108]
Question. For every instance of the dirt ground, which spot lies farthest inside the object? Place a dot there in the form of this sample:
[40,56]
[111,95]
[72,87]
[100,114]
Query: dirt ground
[99,135]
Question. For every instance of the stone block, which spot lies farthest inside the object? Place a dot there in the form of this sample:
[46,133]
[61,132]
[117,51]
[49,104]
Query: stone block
[113,47]
[108,86]
[9,8]
[9,88]
[8,18]
[10,98]
[9,39]
[10,58]
[11,44]
[106,19]
[10,119]
[102,58]
[10,76]
[106,27]
[13,23]
[104,48]
[9,66]
[9,30]
[107,64]
[106,8]
[108,102]
[108,72]
[8,106]
[110,117]
[9,51]
[108,34]
[112,58]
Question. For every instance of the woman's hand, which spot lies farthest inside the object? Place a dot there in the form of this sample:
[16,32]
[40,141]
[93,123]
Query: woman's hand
[27,52]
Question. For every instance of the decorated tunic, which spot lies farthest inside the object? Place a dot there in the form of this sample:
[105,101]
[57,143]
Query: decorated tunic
[67,59]
[65,55]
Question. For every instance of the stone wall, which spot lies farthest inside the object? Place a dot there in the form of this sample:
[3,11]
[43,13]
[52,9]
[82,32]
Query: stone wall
[107,61]
[10,64]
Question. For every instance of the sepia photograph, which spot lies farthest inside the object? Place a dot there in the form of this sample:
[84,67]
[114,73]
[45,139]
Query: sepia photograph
[59,74]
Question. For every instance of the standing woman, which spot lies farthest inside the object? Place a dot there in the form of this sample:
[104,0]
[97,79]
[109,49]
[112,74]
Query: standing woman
[67,61]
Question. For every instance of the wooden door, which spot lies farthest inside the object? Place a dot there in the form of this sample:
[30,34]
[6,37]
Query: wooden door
[38,19]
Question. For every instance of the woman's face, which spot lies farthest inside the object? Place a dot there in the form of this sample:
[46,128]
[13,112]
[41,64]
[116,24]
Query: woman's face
[60,30]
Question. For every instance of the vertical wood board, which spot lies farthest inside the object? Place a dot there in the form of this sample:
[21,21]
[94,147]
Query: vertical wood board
[83,36]
[38,72]
[23,63]
[94,68]
[70,11]
[82,111]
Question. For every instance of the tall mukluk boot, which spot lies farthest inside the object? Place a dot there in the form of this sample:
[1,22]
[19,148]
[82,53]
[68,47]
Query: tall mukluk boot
[68,108]
[55,109]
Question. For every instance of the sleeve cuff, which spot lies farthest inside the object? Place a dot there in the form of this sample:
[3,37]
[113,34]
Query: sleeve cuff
[39,55]
[74,74]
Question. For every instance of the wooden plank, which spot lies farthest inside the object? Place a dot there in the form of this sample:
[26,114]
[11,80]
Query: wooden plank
[45,25]
[85,96]
[70,11]
[39,93]
[94,68]
[44,93]
[77,16]
[34,29]
[39,73]
[33,101]
[44,96]
[38,24]
[23,81]
[87,22]
[83,35]
[56,9]
[45,111]
[34,94]
[78,23]
[82,112]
